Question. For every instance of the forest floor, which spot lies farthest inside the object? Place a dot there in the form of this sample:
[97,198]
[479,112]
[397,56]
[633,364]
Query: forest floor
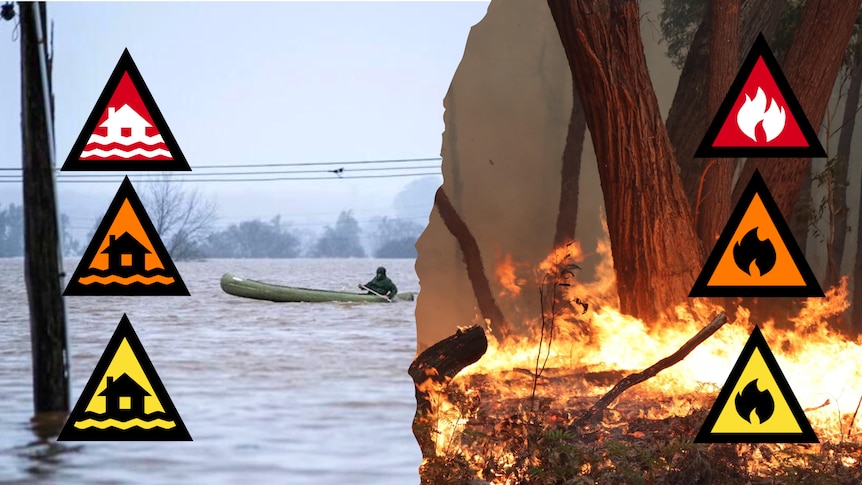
[643,438]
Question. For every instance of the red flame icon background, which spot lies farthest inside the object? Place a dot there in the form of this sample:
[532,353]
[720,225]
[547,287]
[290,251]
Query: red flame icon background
[760,117]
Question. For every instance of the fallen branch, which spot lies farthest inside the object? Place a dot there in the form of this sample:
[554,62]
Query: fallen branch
[598,378]
[815,408]
[853,420]
[634,379]
[436,366]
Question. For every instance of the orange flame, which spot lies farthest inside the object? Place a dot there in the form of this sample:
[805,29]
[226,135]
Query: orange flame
[505,272]
[820,365]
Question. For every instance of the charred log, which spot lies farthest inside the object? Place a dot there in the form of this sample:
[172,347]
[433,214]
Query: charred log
[473,260]
[593,414]
[434,368]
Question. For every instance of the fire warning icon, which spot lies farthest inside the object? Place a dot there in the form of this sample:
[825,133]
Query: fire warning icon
[751,399]
[754,113]
[760,115]
[756,254]
[756,404]
[750,249]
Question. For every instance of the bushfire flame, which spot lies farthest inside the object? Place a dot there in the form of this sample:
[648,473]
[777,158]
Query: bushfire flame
[820,364]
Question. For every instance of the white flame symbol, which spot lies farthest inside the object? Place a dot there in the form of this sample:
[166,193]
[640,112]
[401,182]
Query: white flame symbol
[754,111]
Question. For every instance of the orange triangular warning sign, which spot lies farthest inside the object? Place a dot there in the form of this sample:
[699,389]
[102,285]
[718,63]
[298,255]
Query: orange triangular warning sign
[126,256]
[124,400]
[126,130]
[760,116]
[756,404]
[756,254]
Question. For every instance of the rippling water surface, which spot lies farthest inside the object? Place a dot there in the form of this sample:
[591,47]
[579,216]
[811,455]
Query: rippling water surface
[272,393]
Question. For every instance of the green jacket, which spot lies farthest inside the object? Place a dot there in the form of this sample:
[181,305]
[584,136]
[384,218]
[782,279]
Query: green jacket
[382,284]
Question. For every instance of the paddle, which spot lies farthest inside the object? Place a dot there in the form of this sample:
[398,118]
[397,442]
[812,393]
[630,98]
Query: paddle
[378,294]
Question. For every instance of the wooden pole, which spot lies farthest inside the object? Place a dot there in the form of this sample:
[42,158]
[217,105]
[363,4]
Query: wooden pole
[42,263]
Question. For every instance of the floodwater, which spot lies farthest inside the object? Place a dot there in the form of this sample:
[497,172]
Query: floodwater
[275,393]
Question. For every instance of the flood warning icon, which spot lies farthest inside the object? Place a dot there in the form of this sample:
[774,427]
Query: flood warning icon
[126,130]
[126,256]
[124,400]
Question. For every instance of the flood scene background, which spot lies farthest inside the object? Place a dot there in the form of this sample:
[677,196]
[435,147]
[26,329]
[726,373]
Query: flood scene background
[270,392]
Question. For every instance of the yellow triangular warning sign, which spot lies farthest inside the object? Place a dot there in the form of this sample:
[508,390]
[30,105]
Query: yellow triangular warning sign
[124,400]
[756,404]
[126,256]
[756,254]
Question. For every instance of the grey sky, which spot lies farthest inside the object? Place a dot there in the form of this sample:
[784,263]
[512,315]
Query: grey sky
[246,83]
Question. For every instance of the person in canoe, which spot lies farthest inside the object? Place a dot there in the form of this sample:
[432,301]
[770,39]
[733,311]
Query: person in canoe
[381,284]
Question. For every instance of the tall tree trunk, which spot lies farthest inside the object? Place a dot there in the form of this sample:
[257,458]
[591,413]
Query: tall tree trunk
[811,67]
[802,213]
[570,174]
[848,124]
[656,252]
[712,206]
[857,275]
[686,121]
[473,262]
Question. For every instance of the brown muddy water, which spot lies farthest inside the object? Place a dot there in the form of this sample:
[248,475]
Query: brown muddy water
[271,393]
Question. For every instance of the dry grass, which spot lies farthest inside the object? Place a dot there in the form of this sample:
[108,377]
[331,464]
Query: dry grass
[644,438]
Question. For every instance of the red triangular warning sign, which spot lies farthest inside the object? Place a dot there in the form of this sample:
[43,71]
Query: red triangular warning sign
[126,130]
[760,116]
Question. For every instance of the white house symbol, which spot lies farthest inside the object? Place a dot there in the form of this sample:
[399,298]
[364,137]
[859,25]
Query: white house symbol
[125,122]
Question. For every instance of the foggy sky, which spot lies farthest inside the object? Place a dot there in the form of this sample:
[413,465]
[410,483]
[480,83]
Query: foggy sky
[258,83]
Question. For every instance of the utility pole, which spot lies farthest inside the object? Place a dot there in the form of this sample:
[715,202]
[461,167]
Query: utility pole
[42,251]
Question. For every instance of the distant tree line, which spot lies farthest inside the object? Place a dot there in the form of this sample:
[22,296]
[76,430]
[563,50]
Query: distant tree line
[391,238]
[12,233]
[186,230]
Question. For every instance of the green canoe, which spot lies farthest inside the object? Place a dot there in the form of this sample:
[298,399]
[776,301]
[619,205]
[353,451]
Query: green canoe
[258,290]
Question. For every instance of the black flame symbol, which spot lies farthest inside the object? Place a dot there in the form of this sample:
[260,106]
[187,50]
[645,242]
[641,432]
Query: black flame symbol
[751,399]
[749,249]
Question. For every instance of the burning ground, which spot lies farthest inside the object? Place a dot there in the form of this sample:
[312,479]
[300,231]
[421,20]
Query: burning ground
[516,414]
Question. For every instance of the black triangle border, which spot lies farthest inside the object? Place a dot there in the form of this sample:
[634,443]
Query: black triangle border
[126,191]
[71,433]
[178,164]
[814,148]
[701,288]
[756,341]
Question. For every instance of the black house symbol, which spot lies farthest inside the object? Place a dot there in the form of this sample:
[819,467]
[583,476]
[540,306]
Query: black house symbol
[125,255]
[124,397]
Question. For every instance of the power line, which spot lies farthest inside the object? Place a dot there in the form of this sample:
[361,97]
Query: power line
[296,164]
[275,172]
[338,171]
[270,179]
